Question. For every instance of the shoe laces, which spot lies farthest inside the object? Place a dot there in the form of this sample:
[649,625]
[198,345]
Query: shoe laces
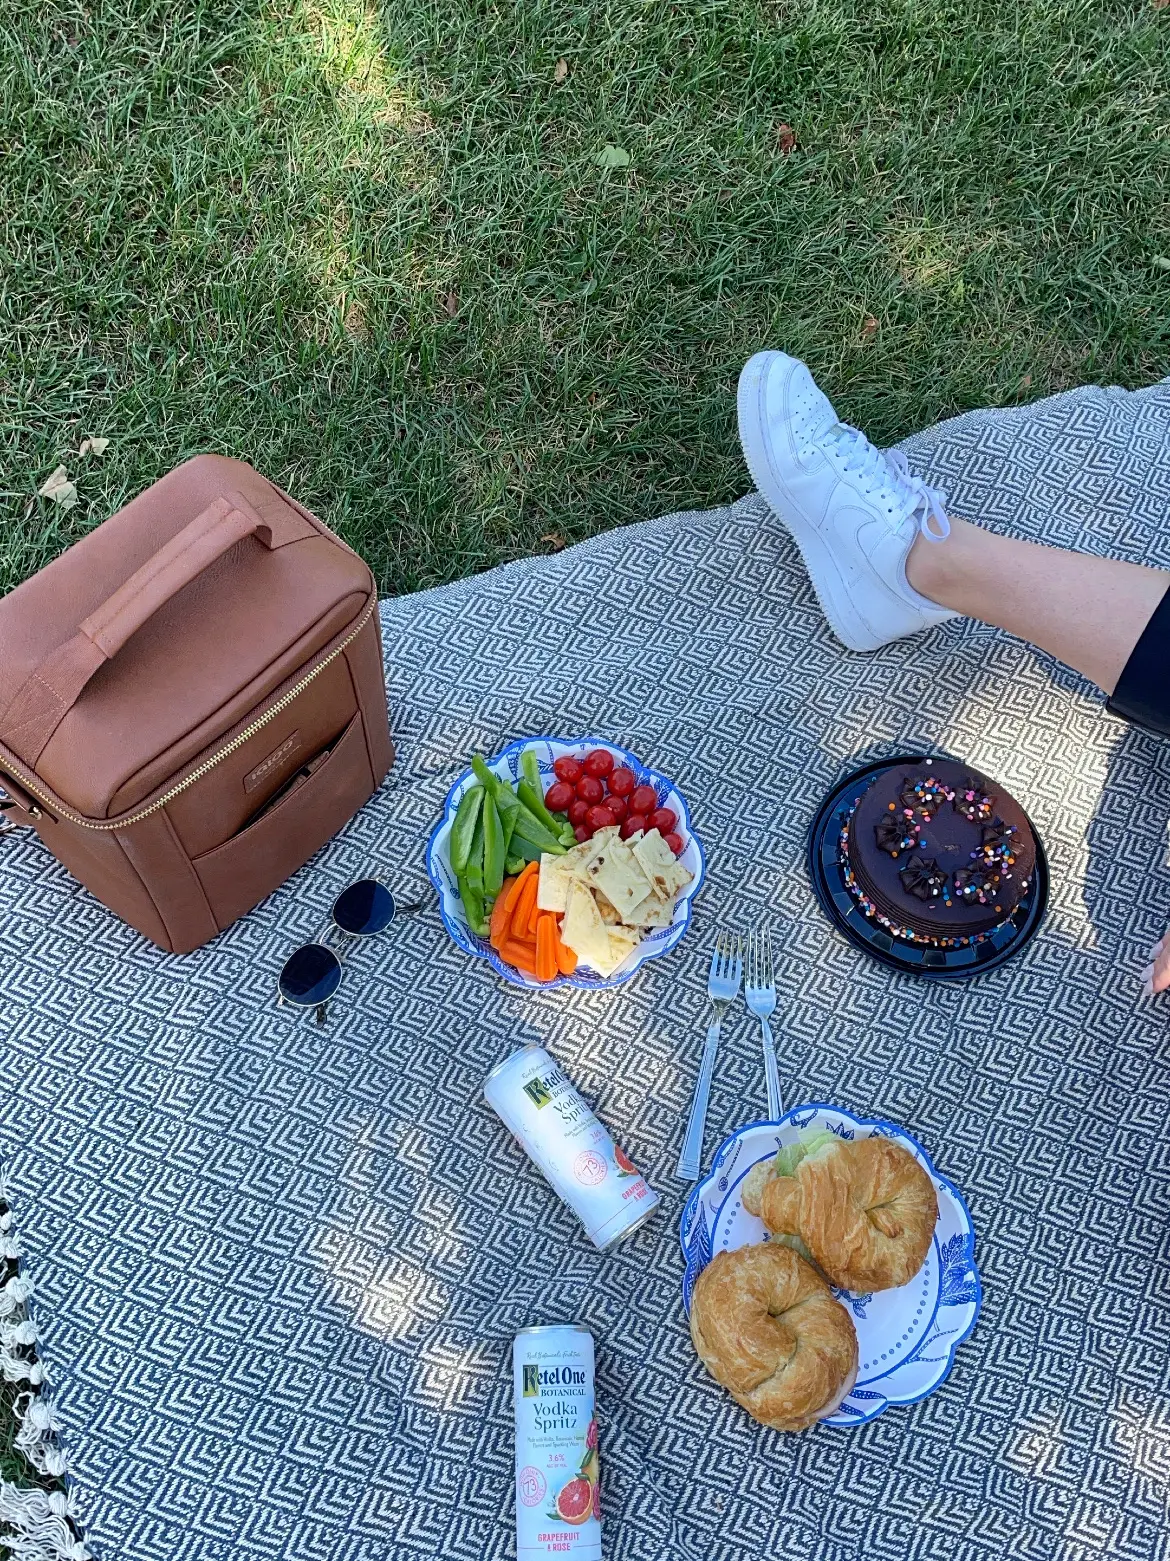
[889,472]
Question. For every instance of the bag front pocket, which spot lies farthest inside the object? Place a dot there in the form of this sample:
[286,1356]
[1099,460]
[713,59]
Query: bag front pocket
[240,873]
[228,798]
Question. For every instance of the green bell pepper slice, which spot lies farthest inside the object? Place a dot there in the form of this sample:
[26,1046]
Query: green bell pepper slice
[493,849]
[472,896]
[467,817]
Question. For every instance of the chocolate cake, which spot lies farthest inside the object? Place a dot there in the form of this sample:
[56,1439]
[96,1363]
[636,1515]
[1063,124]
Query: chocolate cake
[937,854]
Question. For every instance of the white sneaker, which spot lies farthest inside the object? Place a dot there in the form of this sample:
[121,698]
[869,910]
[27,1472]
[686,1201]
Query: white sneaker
[853,510]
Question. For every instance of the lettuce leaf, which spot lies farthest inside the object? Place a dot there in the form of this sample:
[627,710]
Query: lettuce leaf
[790,1156]
[797,1246]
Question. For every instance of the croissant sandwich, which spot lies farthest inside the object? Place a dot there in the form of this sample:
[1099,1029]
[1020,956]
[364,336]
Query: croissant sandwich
[863,1209]
[768,1329]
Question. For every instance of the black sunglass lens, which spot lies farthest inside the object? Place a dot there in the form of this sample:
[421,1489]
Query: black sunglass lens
[311,975]
[364,908]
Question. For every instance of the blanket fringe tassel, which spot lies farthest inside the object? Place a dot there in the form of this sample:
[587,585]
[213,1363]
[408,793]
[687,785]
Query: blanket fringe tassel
[35,1524]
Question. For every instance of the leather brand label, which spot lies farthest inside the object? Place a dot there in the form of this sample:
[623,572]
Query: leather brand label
[275,759]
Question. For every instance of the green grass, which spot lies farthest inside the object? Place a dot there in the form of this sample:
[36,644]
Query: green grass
[13,1465]
[371,250]
[12,1462]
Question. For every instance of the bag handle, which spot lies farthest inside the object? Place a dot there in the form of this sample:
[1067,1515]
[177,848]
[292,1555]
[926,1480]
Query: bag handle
[52,689]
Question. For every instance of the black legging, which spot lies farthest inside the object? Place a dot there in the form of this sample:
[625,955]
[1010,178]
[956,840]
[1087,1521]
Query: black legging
[1142,694]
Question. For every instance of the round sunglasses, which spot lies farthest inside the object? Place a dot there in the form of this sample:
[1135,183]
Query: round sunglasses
[312,973]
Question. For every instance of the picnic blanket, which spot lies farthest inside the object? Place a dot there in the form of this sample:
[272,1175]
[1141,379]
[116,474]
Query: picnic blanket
[278,1268]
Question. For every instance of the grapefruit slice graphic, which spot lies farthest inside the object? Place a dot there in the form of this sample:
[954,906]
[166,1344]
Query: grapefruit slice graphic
[575,1502]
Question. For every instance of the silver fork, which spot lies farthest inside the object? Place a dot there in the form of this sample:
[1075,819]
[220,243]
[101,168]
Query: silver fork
[722,986]
[759,994]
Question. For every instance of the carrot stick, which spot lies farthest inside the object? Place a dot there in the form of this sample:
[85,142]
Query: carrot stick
[524,909]
[566,959]
[546,956]
[498,929]
[519,954]
[522,878]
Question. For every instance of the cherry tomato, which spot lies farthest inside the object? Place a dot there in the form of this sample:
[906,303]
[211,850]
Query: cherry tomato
[599,763]
[633,823]
[662,819]
[567,768]
[617,806]
[621,782]
[599,818]
[590,789]
[583,833]
[643,799]
[557,798]
[577,812]
[674,842]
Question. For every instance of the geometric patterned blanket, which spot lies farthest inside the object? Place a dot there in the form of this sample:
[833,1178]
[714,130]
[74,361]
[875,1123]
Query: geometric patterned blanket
[278,1268]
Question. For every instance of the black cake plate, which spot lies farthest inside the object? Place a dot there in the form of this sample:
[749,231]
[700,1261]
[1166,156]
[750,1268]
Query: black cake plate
[828,880]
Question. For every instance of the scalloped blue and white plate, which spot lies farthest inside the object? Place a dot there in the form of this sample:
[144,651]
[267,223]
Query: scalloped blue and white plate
[907,1337]
[507,764]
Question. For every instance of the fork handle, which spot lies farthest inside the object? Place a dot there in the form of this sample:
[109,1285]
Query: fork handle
[690,1159]
[771,1074]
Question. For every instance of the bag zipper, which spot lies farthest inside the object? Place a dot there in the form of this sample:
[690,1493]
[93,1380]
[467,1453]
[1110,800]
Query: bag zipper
[57,811]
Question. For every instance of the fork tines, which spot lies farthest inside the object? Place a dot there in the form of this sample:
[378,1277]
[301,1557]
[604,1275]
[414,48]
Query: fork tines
[759,957]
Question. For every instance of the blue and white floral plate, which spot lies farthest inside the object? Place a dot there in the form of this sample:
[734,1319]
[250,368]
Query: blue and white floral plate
[907,1337]
[507,764]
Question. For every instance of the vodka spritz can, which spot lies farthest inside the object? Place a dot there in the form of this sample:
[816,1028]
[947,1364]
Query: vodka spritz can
[557,1130]
[558,1510]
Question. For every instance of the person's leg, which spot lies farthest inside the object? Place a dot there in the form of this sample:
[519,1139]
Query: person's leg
[886,560]
[1087,611]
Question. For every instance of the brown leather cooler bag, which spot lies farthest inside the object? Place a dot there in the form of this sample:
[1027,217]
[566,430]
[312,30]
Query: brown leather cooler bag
[192,699]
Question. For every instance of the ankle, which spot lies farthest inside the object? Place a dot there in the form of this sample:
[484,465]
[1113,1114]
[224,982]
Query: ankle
[935,568]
